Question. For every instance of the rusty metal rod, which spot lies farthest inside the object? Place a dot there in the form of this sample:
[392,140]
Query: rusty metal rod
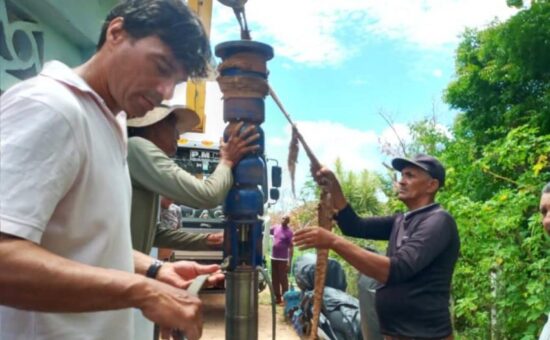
[315,164]
[324,218]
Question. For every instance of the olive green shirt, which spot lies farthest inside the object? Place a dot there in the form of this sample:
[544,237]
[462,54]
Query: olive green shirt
[153,174]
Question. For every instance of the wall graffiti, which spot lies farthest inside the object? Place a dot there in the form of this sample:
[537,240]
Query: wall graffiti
[21,46]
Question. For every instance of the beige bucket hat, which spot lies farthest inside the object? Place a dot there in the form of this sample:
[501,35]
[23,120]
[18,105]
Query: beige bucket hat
[187,119]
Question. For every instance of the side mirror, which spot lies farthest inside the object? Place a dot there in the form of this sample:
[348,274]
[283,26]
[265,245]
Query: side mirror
[276,176]
[274,194]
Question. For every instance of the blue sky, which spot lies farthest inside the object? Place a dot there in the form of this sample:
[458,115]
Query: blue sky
[339,63]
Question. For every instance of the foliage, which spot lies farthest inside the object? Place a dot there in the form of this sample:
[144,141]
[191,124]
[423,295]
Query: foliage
[497,161]
[496,164]
[504,76]
[502,240]
[430,138]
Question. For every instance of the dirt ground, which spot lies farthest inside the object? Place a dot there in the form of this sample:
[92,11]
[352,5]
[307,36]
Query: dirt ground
[214,319]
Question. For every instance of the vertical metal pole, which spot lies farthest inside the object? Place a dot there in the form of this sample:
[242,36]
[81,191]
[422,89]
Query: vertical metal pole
[196,89]
[243,82]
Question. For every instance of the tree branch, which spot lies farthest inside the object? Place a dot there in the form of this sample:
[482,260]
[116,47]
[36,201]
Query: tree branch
[388,121]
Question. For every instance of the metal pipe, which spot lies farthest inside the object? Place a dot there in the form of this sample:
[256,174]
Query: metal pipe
[243,81]
[241,313]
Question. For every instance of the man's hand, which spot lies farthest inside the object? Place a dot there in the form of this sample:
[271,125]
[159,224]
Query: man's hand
[288,267]
[238,144]
[181,273]
[327,179]
[172,309]
[314,237]
[215,240]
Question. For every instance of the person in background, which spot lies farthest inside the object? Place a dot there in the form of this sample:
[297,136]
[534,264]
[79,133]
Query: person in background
[204,214]
[412,301]
[170,226]
[545,211]
[153,139]
[68,268]
[281,257]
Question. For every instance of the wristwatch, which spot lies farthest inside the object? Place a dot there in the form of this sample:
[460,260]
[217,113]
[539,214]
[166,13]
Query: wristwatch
[153,269]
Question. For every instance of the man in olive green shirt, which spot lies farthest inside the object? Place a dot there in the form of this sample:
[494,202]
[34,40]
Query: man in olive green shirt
[152,139]
[170,221]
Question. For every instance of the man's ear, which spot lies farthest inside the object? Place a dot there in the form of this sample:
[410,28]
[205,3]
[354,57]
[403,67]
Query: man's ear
[115,32]
[433,186]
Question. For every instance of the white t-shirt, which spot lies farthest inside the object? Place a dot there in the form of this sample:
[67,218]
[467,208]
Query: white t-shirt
[65,186]
[545,334]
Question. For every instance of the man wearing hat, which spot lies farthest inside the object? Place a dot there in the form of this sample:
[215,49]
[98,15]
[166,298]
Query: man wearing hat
[153,139]
[412,301]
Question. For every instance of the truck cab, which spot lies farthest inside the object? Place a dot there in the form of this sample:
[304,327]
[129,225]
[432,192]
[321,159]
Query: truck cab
[200,158]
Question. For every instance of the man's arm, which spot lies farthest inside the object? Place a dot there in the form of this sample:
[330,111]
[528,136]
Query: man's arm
[142,262]
[368,263]
[428,241]
[179,239]
[374,228]
[36,279]
[152,169]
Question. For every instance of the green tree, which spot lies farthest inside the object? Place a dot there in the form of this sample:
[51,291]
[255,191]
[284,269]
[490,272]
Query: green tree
[504,76]
[500,279]
[497,162]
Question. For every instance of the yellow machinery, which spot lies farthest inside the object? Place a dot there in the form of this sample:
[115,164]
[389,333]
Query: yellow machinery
[196,89]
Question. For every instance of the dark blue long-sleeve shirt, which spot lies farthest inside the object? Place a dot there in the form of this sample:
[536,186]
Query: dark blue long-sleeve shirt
[423,249]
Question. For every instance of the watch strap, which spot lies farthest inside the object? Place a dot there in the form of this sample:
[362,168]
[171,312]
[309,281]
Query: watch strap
[153,269]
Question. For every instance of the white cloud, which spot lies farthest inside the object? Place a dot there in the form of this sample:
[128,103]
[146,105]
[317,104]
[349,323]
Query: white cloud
[396,134]
[276,142]
[359,82]
[433,23]
[444,130]
[437,73]
[356,149]
[334,140]
[321,32]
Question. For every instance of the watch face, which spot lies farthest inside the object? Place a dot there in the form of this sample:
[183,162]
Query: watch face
[153,269]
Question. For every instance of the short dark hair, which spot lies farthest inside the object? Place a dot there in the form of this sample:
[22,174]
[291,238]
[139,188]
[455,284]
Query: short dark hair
[173,22]
[546,189]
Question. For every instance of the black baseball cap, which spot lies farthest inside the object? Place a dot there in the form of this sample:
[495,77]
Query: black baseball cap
[427,163]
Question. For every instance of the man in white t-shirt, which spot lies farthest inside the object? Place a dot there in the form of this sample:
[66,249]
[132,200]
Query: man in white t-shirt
[68,270]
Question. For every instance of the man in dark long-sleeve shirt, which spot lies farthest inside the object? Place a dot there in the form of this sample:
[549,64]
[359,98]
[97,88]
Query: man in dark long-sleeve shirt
[415,274]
